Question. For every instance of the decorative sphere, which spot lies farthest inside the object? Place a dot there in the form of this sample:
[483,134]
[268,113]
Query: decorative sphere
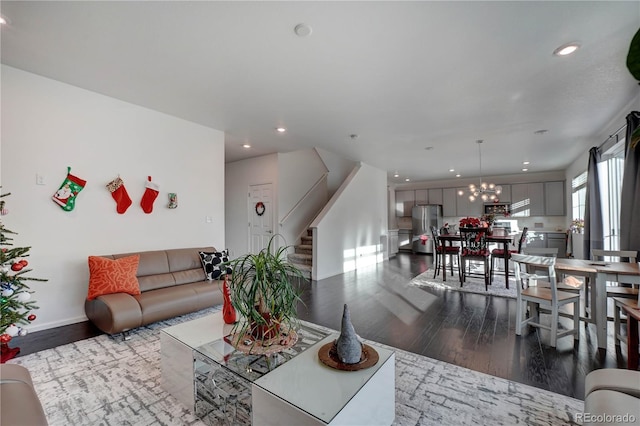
[23,332]
[31,317]
[23,296]
[7,292]
[12,330]
[5,338]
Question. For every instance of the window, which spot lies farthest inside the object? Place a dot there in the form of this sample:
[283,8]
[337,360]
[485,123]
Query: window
[610,171]
[579,195]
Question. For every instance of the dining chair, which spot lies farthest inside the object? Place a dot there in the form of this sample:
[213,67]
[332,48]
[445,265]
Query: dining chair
[541,292]
[499,253]
[441,251]
[474,249]
[618,321]
[621,295]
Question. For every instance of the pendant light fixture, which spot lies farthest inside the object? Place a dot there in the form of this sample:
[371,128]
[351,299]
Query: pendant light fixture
[485,191]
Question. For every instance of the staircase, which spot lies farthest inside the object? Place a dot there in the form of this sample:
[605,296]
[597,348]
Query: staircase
[302,258]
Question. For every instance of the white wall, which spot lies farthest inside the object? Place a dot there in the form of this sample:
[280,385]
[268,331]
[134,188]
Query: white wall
[238,176]
[348,230]
[47,126]
[298,172]
[339,168]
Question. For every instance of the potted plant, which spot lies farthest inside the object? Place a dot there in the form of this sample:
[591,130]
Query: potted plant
[265,290]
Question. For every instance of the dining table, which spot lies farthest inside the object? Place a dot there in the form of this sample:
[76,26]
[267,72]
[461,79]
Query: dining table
[598,273]
[504,240]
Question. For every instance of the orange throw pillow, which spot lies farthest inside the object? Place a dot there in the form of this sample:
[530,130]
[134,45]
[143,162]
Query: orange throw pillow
[107,276]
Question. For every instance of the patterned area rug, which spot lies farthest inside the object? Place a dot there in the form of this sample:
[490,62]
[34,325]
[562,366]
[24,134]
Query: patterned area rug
[471,285]
[105,381]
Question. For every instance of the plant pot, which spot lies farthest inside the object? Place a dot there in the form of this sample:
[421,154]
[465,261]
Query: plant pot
[265,331]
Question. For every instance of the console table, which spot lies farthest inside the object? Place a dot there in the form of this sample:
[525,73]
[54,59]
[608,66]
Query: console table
[221,384]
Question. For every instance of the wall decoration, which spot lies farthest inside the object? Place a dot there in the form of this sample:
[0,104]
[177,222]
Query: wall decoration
[260,208]
[66,195]
[120,195]
[150,194]
[173,200]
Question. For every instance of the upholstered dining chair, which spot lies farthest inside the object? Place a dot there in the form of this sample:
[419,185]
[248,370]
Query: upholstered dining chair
[474,249]
[499,253]
[537,296]
[441,251]
[621,295]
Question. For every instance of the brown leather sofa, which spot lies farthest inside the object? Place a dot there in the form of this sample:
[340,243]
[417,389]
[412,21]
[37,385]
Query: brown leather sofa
[18,399]
[172,283]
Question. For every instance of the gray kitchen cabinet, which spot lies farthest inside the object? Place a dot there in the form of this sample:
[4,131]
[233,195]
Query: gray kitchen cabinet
[449,202]
[557,240]
[527,199]
[536,197]
[554,199]
[422,196]
[393,242]
[435,196]
[505,196]
[466,207]
[548,240]
[405,200]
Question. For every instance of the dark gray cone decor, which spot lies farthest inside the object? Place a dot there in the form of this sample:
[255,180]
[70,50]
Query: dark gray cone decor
[348,346]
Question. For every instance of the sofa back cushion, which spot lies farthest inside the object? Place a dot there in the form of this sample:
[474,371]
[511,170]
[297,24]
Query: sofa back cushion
[166,268]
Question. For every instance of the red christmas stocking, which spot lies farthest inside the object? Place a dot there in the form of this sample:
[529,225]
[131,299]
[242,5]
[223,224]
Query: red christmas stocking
[150,194]
[119,194]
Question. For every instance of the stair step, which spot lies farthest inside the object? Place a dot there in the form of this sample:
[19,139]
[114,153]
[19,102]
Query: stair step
[305,269]
[310,232]
[300,258]
[304,249]
[306,240]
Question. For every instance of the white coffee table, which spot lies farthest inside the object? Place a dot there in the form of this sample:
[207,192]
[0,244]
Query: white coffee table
[300,390]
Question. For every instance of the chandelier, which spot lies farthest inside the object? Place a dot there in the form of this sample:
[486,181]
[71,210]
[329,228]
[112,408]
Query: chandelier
[486,191]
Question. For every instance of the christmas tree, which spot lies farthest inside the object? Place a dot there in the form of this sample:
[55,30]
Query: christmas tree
[15,297]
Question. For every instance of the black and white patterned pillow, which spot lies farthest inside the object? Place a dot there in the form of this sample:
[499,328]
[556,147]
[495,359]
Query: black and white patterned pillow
[212,261]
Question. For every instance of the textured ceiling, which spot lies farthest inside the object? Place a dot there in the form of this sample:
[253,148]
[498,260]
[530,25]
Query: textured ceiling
[403,76]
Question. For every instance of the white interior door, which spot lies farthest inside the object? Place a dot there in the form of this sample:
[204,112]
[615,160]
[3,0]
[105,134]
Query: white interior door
[260,225]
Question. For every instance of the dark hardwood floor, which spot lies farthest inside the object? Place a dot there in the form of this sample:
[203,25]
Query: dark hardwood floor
[469,330]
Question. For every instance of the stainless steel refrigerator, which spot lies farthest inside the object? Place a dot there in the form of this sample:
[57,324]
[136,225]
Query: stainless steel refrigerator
[423,217]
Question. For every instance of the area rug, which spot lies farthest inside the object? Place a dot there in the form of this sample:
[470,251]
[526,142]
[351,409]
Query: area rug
[471,284]
[106,381]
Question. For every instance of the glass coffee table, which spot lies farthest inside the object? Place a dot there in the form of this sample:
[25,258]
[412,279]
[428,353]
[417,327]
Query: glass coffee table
[225,386]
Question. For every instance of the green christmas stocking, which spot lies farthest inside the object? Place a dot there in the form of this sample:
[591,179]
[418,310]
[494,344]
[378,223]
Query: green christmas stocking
[65,197]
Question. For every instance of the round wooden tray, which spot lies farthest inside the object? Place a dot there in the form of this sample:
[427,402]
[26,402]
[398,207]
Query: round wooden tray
[329,357]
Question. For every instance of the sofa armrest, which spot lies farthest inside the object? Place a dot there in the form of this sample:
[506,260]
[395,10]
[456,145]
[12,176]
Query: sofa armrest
[18,398]
[114,313]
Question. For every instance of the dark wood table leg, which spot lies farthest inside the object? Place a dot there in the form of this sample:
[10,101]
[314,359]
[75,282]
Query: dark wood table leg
[444,260]
[505,247]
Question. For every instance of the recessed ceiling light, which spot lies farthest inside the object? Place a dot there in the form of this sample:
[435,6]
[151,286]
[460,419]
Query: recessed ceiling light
[302,30]
[407,180]
[353,136]
[567,49]
[458,175]
[525,170]
[526,162]
[451,170]
[2,20]
[246,145]
[281,129]
[396,174]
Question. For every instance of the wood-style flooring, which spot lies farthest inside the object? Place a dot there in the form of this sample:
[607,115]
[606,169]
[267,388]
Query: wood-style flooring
[469,330]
